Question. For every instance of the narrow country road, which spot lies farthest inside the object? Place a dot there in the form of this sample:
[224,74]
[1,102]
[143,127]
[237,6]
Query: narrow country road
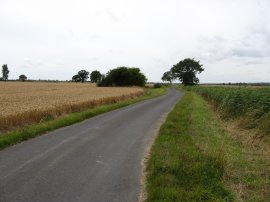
[96,160]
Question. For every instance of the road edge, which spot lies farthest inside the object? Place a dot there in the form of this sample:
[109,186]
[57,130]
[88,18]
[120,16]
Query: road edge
[22,134]
[143,177]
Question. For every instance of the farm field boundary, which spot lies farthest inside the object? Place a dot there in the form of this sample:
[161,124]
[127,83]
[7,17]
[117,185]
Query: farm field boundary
[27,132]
[249,106]
[195,159]
[244,111]
[35,102]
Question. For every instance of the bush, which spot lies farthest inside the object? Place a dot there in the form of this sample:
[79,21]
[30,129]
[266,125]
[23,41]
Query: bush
[157,85]
[123,76]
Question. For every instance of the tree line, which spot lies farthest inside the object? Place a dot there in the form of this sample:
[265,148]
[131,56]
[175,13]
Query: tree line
[120,76]
[83,75]
[185,71]
[5,74]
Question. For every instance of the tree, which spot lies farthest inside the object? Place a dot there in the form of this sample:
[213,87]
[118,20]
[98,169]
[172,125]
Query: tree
[95,76]
[5,72]
[83,74]
[76,78]
[167,76]
[123,76]
[186,71]
[22,77]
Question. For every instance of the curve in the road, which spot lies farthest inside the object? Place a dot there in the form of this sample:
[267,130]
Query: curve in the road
[96,160]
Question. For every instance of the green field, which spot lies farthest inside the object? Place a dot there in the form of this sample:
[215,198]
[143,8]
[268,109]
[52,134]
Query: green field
[251,105]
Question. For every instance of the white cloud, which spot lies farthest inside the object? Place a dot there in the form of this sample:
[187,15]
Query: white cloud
[228,36]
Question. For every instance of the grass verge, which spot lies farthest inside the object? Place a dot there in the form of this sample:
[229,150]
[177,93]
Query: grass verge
[195,159]
[25,133]
[250,106]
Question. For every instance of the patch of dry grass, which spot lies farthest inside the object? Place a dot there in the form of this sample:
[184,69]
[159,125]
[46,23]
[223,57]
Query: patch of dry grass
[25,103]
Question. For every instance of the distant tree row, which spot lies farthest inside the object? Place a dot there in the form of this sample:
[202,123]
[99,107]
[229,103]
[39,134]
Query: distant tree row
[83,75]
[5,73]
[185,71]
[121,76]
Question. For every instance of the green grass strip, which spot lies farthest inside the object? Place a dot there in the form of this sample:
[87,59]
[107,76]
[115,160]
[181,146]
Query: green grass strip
[246,169]
[25,133]
[195,159]
[178,169]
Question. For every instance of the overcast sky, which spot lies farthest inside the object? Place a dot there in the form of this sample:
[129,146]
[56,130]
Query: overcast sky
[54,39]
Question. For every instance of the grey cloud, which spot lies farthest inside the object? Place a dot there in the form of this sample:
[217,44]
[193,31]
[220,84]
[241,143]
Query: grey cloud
[255,62]
[131,33]
[252,53]
[254,44]
[213,49]
[262,31]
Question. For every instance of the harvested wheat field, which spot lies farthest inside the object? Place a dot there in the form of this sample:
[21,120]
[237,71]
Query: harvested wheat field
[31,102]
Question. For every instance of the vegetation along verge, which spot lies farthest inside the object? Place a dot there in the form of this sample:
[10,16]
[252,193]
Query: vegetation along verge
[250,106]
[195,159]
[21,134]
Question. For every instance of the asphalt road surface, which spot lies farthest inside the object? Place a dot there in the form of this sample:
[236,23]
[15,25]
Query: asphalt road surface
[96,160]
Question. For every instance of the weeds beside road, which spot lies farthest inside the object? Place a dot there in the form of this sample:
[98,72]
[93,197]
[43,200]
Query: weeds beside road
[195,159]
[251,106]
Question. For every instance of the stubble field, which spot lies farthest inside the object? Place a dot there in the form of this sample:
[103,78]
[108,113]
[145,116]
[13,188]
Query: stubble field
[30,102]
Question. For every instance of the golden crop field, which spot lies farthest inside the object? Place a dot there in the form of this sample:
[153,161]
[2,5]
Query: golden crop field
[34,100]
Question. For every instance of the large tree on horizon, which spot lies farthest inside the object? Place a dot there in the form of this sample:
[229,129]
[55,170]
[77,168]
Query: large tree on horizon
[186,71]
